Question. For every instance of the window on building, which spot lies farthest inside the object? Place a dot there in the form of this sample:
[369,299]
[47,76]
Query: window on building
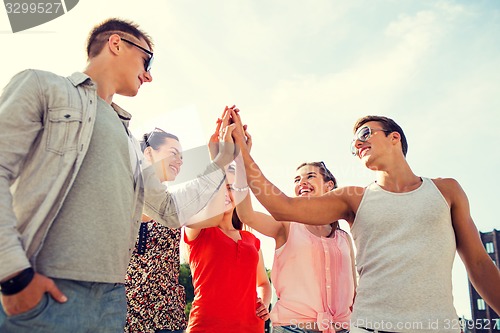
[489,247]
[480,304]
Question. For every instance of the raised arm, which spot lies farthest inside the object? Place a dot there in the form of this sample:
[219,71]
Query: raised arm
[263,223]
[174,207]
[212,214]
[332,206]
[483,273]
[177,206]
[208,217]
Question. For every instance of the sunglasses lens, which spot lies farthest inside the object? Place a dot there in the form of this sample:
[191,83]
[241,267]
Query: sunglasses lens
[364,134]
[354,150]
[149,64]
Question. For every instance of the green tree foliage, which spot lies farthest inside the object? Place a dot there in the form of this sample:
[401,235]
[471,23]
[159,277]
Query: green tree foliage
[185,280]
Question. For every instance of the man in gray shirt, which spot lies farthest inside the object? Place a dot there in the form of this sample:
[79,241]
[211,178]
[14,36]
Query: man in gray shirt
[73,188]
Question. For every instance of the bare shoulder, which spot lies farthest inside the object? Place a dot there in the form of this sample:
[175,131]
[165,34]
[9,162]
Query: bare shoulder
[190,234]
[449,188]
[447,184]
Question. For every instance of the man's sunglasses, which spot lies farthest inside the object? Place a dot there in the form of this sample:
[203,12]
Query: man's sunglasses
[363,134]
[147,64]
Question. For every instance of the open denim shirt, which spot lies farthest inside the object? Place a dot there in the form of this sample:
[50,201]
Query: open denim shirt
[46,122]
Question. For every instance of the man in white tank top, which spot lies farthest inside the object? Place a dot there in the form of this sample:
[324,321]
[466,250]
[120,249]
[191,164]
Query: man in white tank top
[406,229]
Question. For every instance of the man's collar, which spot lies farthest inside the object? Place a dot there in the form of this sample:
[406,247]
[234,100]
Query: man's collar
[78,78]
[124,115]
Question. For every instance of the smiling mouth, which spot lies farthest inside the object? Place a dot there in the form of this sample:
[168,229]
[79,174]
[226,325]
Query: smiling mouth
[305,191]
[362,152]
[174,169]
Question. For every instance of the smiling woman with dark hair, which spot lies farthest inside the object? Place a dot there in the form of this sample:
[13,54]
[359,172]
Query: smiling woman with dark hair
[313,269]
[155,299]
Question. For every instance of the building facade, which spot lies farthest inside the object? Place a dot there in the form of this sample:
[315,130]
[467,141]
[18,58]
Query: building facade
[484,319]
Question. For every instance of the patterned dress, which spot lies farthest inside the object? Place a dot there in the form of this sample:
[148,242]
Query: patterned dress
[155,299]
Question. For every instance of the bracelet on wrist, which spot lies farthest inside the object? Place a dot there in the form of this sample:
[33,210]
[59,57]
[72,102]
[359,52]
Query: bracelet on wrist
[17,283]
[238,189]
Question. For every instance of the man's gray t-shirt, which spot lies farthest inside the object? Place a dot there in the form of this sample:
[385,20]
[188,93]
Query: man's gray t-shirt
[90,237]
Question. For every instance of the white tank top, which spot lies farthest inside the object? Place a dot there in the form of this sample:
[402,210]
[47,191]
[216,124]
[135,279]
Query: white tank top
[405,250]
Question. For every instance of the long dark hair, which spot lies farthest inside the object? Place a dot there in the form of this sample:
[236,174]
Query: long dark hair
[237,224]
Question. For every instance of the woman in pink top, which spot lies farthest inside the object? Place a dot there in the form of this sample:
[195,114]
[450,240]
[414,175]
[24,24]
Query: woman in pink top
[313,270]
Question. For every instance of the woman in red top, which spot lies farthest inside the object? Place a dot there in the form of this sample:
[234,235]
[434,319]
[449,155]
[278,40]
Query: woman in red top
[232,290]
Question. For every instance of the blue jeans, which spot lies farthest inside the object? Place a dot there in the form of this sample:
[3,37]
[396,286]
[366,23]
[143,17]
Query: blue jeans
[91,307]
[291,329]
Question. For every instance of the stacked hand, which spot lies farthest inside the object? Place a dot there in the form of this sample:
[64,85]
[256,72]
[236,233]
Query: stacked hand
[221,144]
[229,137]
[240,134]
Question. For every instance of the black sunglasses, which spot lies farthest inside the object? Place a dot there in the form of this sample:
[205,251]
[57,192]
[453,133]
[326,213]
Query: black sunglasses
[147,64]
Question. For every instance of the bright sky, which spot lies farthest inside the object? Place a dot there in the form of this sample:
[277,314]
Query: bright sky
[302,72]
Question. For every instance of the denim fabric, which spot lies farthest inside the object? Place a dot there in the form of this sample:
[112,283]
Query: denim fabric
[46,123]
[290,329]
[355,329]
[91,307]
